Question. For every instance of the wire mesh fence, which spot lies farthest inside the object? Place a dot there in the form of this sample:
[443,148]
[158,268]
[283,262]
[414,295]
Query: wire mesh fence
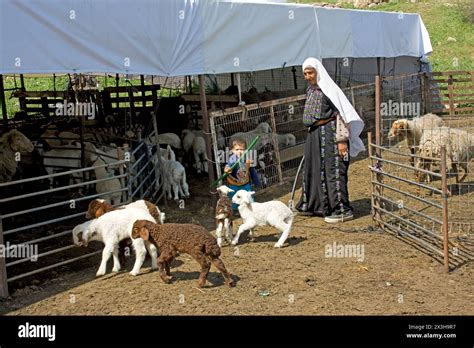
[37,219]
[279,125]
[411,187]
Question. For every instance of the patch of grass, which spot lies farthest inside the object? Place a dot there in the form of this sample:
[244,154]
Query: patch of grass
[443,19]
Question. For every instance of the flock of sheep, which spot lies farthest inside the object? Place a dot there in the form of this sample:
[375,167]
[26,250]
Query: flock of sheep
[426,135]
[143,223]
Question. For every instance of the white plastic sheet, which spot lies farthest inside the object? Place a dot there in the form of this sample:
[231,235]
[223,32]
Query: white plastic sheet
[186,37]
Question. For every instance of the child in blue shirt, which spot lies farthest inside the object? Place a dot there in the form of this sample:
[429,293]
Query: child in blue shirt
[243,176]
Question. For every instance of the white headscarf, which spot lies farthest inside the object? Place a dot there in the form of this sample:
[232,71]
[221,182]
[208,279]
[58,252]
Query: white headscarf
[340,101]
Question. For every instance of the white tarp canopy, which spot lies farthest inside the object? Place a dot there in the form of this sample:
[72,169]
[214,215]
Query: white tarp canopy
[186,37]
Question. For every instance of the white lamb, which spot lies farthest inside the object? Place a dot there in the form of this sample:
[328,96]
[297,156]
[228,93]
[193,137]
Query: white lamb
[195,140]
[174,178]
[111,228]
[167,138]
[285,140]
[459,150]
[273,213]
[262,128]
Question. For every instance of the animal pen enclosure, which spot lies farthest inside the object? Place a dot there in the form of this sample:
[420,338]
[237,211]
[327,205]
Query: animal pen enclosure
[434,216]
[35,215]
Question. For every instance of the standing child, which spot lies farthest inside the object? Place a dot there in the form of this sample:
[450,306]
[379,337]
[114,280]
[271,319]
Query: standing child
[243,176]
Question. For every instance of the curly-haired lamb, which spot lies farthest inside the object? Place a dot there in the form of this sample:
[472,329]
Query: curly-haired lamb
[192,239]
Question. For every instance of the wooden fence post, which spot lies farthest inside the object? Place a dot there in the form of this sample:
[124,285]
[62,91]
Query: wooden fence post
[444,185]
[451,95]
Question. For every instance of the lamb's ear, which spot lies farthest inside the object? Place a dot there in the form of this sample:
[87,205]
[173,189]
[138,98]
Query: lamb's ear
[100,211]
[144,233]
[252,193]
[135,233]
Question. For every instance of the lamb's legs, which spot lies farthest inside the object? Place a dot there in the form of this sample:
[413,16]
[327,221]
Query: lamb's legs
[251,235]
[167,266]
[115,255]
[162,264]
[205,267]
[285,229]
[220,266]
[176,191]
[106,253]
[242,228]
[228,229]
[219,233]
[197,160]
[151,248]
[140,254]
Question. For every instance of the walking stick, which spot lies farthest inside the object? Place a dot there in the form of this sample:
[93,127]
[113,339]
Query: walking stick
[291,204]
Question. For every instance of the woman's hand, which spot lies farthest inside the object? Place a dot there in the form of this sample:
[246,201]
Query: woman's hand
[227,170]
[343,150]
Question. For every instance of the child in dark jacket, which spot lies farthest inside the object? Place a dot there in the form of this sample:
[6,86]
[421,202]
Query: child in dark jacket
[243,176]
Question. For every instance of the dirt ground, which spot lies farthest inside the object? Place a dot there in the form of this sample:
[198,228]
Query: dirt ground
[393,278]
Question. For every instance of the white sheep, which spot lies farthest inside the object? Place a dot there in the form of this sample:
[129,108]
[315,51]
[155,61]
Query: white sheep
[262,128]
[413,129]
[110,155]
[195,140]
[459,146]
[112,185]
[12,143]
[273,213]
[166,138]
[224,214]
[111,228]
[285,140]
[168,153]
[174,178]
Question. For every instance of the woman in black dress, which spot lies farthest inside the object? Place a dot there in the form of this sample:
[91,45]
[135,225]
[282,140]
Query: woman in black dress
[333,137]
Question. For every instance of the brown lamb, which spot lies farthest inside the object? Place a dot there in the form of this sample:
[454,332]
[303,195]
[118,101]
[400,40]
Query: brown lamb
[191,239]
[99,207]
